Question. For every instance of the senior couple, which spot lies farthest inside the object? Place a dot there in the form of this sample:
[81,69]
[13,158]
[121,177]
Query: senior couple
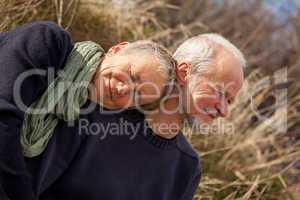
[53,155]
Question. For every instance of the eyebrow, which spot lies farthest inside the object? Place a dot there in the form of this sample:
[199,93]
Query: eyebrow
[227,95]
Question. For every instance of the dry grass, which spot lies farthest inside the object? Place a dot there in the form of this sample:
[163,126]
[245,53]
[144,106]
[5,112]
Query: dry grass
[256,159]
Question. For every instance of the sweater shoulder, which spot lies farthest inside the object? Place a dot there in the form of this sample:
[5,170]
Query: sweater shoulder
[186,148]
[40,34]
[42,44]
[41,26]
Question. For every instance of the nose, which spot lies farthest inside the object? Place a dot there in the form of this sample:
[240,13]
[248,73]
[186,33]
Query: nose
[222,108]
[122,89]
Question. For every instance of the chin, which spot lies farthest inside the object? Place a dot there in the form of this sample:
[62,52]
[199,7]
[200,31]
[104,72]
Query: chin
[114,106]
[203,119]
[208,121]
[111,107]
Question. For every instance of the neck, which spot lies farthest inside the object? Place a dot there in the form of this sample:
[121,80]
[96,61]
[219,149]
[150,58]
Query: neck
[168,122]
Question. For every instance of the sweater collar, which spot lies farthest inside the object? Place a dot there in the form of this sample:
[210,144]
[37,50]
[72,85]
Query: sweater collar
[159,141]
[146,132]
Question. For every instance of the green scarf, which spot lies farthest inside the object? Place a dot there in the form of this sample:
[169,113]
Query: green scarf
[62,99]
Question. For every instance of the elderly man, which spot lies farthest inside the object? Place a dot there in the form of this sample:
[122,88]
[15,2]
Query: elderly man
[209,76]
[29,55]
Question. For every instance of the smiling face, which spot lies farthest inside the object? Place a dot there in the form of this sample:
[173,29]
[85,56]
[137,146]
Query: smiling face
[208,96]
[129,79]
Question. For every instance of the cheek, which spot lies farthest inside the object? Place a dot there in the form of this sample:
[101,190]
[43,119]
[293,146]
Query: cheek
[205,101]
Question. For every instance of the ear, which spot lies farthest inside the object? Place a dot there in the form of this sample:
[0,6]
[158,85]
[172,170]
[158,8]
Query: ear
[181,72]
[116,48]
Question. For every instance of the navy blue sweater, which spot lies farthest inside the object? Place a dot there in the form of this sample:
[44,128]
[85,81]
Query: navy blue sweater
[101,156]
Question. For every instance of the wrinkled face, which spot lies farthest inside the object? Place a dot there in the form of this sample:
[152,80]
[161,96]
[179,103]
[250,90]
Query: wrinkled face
[127,80]
[209,96]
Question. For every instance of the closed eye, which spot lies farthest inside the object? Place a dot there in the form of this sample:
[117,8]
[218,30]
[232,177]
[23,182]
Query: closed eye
[225,95]
[230,101]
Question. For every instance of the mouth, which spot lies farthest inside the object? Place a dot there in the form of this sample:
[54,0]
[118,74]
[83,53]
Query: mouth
[210,113]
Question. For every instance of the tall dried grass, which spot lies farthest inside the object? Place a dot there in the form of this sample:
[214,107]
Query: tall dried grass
[258,158]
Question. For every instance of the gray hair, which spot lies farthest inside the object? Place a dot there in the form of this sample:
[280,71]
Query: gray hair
[199,51]
[165,59]
[163,56]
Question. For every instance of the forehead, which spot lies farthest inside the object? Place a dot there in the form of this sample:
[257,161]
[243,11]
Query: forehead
[226,74]
[229,71]
[143,61]
[149,70]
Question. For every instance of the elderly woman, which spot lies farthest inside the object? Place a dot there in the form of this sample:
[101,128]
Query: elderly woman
[35,110]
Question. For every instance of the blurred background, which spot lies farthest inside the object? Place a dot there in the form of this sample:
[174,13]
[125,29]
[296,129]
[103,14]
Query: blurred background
[255,154]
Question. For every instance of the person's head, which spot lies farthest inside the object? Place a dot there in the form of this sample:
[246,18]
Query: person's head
[134,74]
[210,71]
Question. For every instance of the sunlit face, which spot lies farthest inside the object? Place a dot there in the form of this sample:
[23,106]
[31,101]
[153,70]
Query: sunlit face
[208,96]
[127,80]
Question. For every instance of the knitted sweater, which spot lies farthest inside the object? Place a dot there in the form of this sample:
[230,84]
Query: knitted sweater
[101,156]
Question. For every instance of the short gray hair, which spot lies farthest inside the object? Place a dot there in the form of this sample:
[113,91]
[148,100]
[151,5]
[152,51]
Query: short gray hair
[165,59]
[200,50]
